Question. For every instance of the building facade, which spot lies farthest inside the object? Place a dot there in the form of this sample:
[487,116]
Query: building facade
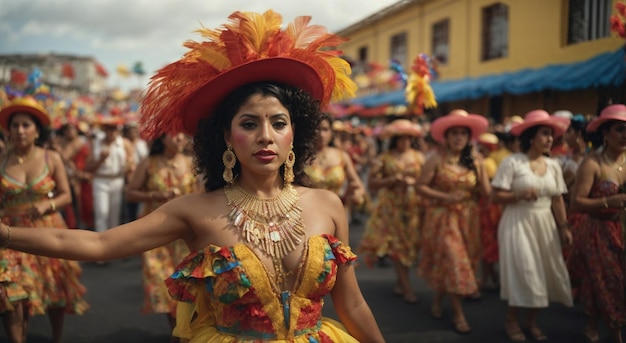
[499,57]
[63,73]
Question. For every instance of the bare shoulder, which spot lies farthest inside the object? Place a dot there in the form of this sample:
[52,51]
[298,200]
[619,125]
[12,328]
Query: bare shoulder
[318,196]
[321,210]
[53,155]
[590,163]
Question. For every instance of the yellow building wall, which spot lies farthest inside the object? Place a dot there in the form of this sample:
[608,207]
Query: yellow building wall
[537,36]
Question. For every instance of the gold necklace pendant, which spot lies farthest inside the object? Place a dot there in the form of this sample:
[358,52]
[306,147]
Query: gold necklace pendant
[619,167]
[23,158]
[273,225]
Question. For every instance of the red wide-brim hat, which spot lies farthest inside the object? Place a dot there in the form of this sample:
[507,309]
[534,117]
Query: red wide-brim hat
[250,48]
[24,105]
[612,112]
[283,70]
[541,118]
[476,123]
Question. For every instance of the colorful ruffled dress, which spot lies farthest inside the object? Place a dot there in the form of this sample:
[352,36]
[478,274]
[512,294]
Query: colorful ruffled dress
[43,282]
[159,263]
[597,261]
[331,178]
[233,298]
[451,248]
[393,228]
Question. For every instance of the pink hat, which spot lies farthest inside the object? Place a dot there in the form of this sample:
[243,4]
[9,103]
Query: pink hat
[475,122]
[541,117]
[401,127]
[612,112]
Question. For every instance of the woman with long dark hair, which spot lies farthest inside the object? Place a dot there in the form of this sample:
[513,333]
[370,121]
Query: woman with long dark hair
[452,180]
[33,187]
[165,174]
[266,250]
[598,258]
[533,226]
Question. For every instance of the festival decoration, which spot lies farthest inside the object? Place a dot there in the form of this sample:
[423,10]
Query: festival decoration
[67,71]
[617,20]
[400,72]
[101,70]
[138,69]
[122,70]
[418,92]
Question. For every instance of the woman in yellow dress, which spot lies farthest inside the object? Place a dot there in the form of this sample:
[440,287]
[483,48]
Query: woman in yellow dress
[332,168]
[166,174]
[265,251]
[393,227]
[453,180]
[33,187]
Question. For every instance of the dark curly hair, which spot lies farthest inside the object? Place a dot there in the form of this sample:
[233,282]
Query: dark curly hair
[209,143]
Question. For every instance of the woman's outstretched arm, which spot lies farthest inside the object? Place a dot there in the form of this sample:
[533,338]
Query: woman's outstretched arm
[160,227]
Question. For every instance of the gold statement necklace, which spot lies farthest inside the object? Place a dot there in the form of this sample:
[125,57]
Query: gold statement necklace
[274,225]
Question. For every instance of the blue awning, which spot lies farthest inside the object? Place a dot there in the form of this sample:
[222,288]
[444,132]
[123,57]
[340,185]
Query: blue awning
[607,69]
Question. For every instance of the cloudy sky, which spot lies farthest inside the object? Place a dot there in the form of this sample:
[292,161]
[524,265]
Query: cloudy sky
[123,32]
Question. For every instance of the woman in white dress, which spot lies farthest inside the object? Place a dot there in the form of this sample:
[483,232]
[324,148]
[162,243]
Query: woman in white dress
[531,185]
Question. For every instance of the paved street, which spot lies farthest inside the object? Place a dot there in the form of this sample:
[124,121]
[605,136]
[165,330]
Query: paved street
[115,294]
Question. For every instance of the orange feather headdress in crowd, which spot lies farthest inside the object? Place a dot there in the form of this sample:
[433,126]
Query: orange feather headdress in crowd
[250,48]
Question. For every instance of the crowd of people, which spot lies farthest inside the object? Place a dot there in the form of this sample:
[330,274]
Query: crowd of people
[240,199]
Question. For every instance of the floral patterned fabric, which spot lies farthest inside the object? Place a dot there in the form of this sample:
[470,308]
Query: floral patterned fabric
[234,299]
[158,264]
[332,178]
[451,247]
[44,282]
[597,261]
[393,227]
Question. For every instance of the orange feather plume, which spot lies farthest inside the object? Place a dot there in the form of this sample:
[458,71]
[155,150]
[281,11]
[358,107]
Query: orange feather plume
[246,37]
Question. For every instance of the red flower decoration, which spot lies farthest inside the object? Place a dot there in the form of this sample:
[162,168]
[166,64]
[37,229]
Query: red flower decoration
[617,26]
[621,8]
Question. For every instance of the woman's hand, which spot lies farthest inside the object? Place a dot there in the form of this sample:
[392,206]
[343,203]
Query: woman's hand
[566,236]
[527,194]
[454,197]
[39,209]
[616,201]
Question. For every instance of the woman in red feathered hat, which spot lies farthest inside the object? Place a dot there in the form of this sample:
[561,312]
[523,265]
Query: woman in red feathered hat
[33,188]
[598,258]
[266,249]
[452,180]
[533,226]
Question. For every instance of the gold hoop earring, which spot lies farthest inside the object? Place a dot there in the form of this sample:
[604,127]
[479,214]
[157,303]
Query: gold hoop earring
[291,159]
[229,159]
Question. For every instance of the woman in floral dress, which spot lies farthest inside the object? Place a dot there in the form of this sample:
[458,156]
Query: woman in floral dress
[598,261]
[393,227]
[164,175]
[453,180]
[33,187]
